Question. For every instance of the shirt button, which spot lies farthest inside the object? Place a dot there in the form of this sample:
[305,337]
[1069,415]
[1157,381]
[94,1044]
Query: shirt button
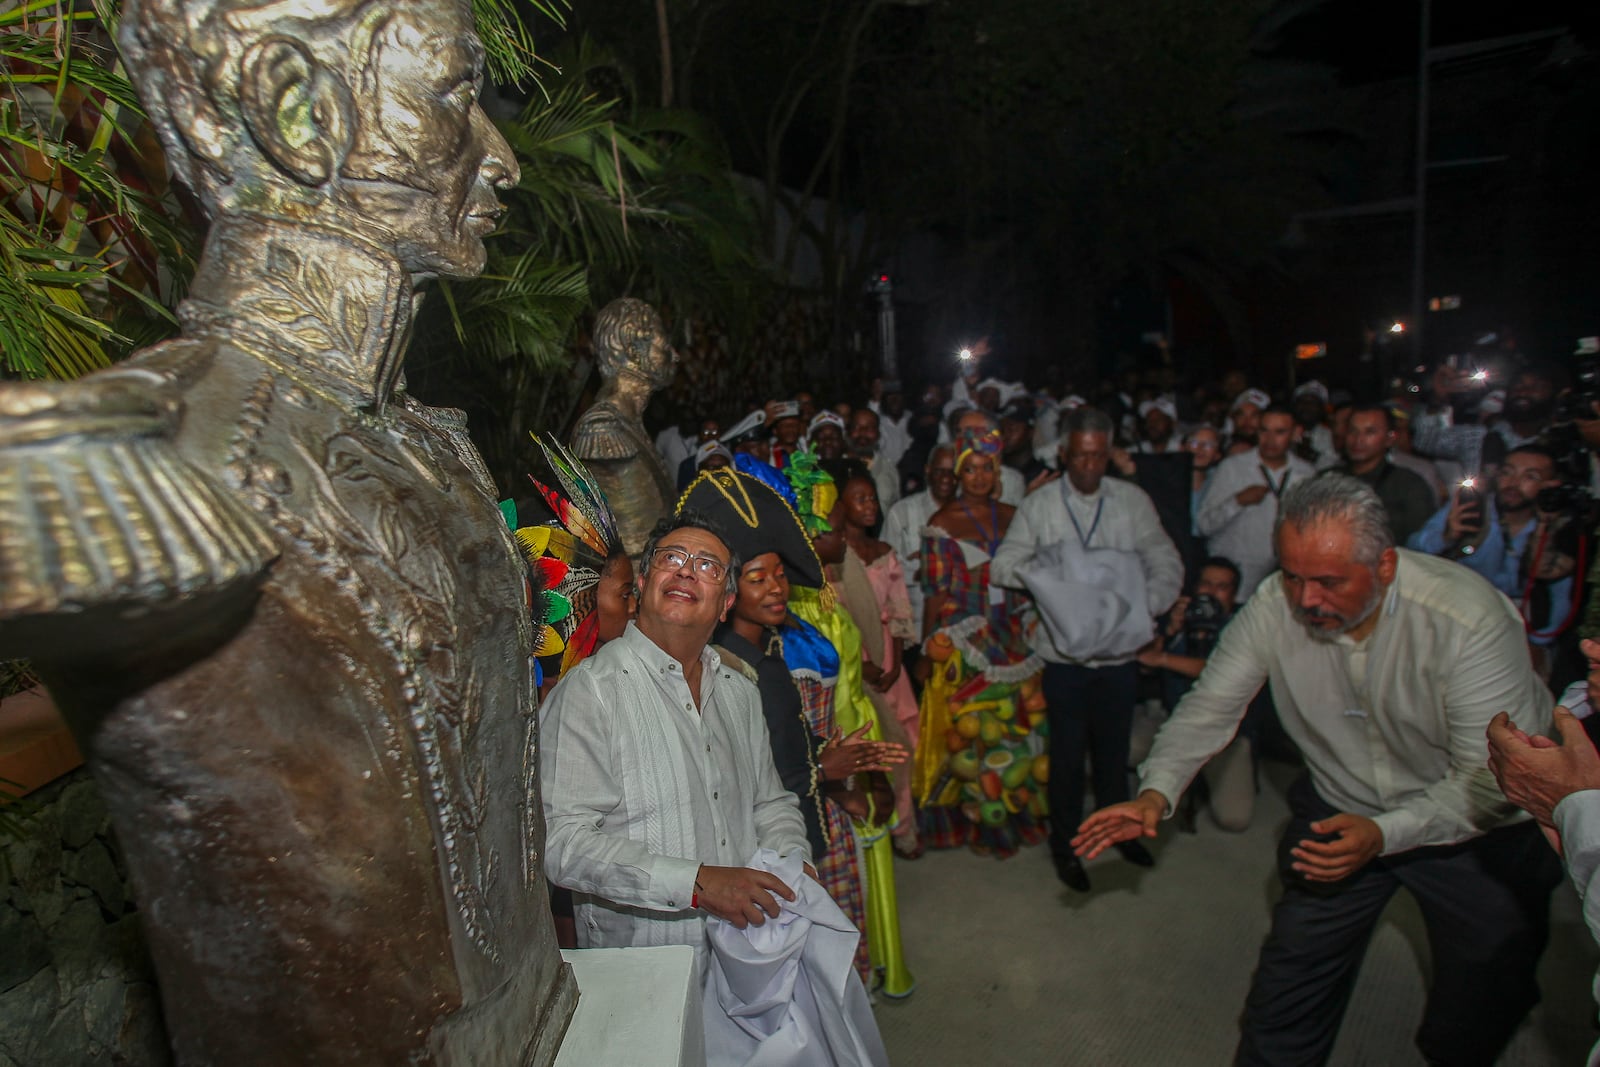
[690,707]
[716,796]
[672,903]
[724,840]
[708,748]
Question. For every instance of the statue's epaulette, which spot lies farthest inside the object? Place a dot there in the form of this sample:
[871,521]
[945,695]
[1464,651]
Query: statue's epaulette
[601,434]
[106,520]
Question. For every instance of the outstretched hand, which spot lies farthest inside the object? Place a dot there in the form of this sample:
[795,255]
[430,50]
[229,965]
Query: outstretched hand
[741,895]
[1116,823]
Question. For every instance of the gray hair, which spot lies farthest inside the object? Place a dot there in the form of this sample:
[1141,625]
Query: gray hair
[691,519]
[1085,420]
[1345,501]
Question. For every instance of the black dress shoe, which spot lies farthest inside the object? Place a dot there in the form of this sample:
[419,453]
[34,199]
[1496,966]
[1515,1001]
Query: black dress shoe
[1070,870]
[1136,854]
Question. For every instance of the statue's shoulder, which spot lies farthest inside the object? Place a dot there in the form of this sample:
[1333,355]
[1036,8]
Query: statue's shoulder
[604,433]
[110,521]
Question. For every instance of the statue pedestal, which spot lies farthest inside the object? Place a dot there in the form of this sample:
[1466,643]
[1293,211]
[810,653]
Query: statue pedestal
[638,1006]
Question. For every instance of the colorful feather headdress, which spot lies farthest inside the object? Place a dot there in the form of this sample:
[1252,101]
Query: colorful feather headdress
[567,560]
[815,493]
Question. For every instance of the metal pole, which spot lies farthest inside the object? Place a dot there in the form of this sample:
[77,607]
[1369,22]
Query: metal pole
[1419,217]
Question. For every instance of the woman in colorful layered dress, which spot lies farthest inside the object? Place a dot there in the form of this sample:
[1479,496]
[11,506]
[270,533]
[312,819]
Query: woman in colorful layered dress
[871,585]
[980,772]
[795,669]
[817,504]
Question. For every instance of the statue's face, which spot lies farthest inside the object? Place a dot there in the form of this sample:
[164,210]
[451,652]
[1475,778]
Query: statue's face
[426,160]
[660,360]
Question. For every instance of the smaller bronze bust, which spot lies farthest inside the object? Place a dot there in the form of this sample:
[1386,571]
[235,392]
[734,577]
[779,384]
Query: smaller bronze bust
[630,345]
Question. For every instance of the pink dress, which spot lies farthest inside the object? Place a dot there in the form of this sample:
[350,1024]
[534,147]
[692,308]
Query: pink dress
[886,575]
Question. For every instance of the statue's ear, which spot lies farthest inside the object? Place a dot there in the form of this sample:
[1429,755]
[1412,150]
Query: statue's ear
[296,111]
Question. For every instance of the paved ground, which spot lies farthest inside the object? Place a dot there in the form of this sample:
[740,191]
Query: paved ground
[1152,967]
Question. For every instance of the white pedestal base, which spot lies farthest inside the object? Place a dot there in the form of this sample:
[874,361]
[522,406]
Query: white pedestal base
[636,1006]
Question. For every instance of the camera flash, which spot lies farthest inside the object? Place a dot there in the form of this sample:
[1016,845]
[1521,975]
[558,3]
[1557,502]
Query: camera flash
[1480,375]
[1469,483]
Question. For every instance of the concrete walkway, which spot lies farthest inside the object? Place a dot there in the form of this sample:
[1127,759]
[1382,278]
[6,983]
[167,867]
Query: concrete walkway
[1153,965]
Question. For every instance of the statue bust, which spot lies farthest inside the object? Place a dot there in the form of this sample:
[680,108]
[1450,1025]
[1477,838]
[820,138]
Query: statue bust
[272,592]
[630,346]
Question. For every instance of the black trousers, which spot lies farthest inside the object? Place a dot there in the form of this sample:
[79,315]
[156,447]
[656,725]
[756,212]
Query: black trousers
[1090,710]
[1486,905]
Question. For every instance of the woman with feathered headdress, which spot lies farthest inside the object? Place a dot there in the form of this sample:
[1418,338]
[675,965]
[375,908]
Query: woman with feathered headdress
[582,578]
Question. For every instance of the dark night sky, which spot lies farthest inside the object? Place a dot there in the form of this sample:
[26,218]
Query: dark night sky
[1374,40]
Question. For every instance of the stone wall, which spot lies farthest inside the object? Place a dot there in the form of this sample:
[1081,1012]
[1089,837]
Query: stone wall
[76,985]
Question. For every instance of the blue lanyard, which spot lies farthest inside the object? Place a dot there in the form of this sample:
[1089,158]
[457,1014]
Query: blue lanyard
[1100,506]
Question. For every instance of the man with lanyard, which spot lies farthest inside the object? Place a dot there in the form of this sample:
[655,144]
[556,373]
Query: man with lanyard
[1241,503]
[1406,497]
[1090,704]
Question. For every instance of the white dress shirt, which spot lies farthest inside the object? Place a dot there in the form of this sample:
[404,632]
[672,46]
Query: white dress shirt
[1244,534]
[1117,515]
[902,530]
[894,435]
[1391,727]
[640,789]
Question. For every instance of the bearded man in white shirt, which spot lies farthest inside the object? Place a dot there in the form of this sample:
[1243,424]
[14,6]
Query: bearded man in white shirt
[658,777]
[1386,668]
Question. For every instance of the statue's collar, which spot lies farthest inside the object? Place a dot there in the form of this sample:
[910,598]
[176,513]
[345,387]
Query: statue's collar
[323,304]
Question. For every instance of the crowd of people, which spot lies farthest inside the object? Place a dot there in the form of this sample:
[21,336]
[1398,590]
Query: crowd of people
[950,611]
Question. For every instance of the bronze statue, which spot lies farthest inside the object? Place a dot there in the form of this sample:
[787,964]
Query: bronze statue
[630,345]
[273,592]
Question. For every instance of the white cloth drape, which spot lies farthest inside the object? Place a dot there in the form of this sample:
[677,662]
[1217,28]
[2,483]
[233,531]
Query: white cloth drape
[785,993]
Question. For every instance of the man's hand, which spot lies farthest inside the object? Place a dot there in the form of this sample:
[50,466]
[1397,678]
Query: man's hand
[740,895]
[1151,655]
[1042,479]
[1122,462]
[1251,495]
[1120,822]
[1359,841]
[1175,616]
[1536,773]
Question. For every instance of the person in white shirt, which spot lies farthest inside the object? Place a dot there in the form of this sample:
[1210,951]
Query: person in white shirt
[902,527]
[1240,505]
[1310,404]
[658,777]
[894,421]
[1090,704]
[865,445]
[1158,419]
[1386,667]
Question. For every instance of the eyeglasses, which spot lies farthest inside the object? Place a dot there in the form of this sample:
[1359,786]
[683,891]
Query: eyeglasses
[705,568]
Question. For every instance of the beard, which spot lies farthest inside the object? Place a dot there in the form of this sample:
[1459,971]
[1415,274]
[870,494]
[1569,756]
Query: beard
[1309,617]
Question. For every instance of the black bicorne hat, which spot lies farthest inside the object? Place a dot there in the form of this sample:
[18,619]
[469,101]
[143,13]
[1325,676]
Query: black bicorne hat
[756,520]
